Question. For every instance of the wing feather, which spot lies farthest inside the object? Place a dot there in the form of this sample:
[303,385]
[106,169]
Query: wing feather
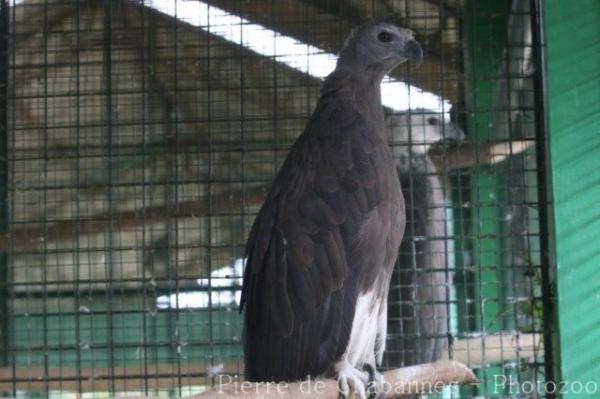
[301,282]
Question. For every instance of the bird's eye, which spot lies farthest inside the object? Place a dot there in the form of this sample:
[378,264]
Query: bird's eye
[384,36]
[432,121]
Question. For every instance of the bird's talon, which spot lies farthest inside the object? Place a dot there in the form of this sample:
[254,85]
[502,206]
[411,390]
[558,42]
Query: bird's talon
[375,382]
[352,379]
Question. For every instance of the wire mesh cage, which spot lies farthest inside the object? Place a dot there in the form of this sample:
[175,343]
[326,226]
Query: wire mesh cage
[141,139]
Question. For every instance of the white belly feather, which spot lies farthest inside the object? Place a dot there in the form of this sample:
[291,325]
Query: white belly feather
[369,328]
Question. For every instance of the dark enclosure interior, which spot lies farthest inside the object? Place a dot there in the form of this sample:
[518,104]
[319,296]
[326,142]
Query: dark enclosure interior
[138,140]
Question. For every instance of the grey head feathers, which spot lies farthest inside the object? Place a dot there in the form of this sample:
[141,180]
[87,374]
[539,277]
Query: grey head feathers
[378,47]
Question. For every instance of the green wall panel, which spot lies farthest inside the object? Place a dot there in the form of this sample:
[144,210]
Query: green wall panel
[573,77]
[125,335]
[485,27]
[486,34]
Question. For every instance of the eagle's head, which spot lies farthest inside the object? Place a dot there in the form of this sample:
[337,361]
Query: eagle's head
[379,47]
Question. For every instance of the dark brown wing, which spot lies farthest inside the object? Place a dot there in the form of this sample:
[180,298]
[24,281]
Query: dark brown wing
[301,278]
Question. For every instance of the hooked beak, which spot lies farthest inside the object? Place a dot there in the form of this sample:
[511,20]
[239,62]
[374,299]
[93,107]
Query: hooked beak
[412,51]
[453,132]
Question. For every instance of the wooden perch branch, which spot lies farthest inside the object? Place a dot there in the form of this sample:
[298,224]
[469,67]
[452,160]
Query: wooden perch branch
[470,154]
[496,348]
[446,159]
[67,230]
[399,382]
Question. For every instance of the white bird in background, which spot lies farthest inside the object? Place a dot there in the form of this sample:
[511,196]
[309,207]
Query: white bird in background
[421,280]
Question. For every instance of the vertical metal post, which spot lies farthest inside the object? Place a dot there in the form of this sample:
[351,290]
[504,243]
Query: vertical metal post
[108,117]
[543,170]
[4,65]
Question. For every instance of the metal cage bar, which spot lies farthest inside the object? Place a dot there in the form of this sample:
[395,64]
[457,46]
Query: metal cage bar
[140,138]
